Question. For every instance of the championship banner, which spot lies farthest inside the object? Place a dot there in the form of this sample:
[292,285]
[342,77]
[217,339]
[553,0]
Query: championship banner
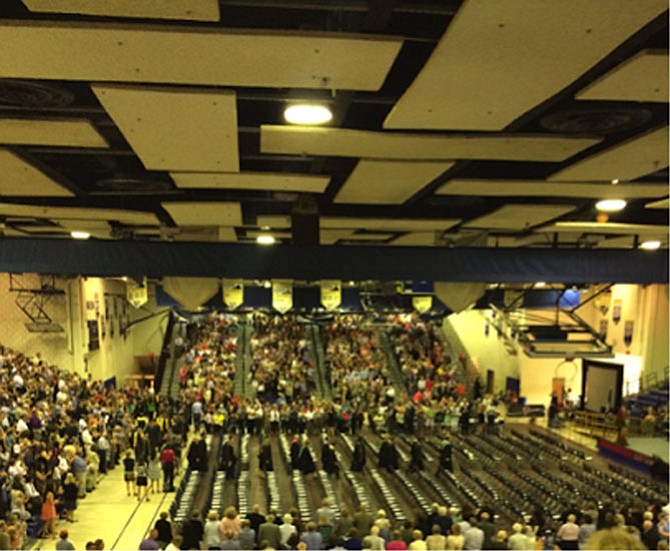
[422,304]
[616,311]
[282,295]
[136,294]
[233,292]
[628,333]
[331,293]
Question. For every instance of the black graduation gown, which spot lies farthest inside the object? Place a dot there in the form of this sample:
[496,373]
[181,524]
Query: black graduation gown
[228,460]
[295,453]
[265,458]
[416,463]
[197,455]
[329,459]
[358,457]
[445,457]
[388,456]
[306,461]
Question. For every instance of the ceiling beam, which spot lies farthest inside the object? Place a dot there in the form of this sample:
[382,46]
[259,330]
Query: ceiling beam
[311,263]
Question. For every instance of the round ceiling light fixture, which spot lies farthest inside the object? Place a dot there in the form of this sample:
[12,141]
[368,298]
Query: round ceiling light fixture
[611,205]
[650,245]
[265,239]
[308,113]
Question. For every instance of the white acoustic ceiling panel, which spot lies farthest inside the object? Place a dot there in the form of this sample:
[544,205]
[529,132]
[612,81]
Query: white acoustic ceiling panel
[57,132]
[614,228]
[662,204]
[178,55]
[540,188]
[330,237]
[338,142]
[190,10]
[269,181]
[388,182]
[175,128]
[273,221]
[499,59]
[78,213]
[213,213]
[19,178]
[386,224]
[96,228]
[629,160]
[416,239]
[519,217]
[643,77]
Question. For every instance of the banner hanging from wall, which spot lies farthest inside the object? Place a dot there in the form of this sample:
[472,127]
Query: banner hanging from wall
[137,293]
[282,295]
[233,292]
[331,293]
[422,304]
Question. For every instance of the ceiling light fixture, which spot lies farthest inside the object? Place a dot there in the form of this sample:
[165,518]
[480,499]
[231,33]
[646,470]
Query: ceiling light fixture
[540,284]
[265,239]
[615,181]
[80,235]
[611,205]
[650,245]
[307,114]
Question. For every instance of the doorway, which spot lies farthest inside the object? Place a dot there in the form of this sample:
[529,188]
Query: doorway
[602,385]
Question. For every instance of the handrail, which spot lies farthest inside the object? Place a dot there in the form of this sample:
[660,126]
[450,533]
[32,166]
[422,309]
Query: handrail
[318,354]
[395,372]
[159,373]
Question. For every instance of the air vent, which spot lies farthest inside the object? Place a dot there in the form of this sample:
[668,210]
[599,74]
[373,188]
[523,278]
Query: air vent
[598,121]
[131,186]
[35,94]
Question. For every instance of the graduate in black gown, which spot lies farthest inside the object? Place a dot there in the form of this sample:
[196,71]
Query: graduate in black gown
[197,454]
[265,456]
[389,458]
[228,460]
[295,452]
[329,459]
[358,457]
[445,461]
[417,457]
[305,459]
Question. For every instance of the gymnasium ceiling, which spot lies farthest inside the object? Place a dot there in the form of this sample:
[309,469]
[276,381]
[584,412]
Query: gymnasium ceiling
[477,122]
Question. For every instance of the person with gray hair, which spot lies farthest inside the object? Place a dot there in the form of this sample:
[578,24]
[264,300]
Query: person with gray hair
[517,541]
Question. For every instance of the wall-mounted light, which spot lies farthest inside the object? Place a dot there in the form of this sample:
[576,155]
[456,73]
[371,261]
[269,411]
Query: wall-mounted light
[79,235]
[304,113]
[611,205]
[650,245]
[265,239]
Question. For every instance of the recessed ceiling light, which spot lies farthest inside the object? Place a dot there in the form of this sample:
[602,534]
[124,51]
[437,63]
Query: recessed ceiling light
[80,235]
[650,245]
[615,181]
[265,239]
[611,205]
[267,284]
[307,114]
[540,284]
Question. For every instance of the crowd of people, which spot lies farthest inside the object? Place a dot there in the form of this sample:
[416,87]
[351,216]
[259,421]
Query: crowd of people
[59,432]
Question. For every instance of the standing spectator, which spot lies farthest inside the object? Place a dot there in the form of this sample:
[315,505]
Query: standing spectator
[287,530]
[436,540]
[142,482]
[247,537]
[455,540]
[311,538]
[230,523]
[150,543]
[396,543]
[154,473]
[129,473]
[568,534]
[70,494]
[212,535]
[269,533]
[64,544]
[49,516]
[192,531]
[417,543]
[164,528]
[168,460]
[518,541]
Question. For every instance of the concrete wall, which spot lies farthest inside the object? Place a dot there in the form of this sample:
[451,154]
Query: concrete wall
[99,301]
[486,352]
[13,333]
